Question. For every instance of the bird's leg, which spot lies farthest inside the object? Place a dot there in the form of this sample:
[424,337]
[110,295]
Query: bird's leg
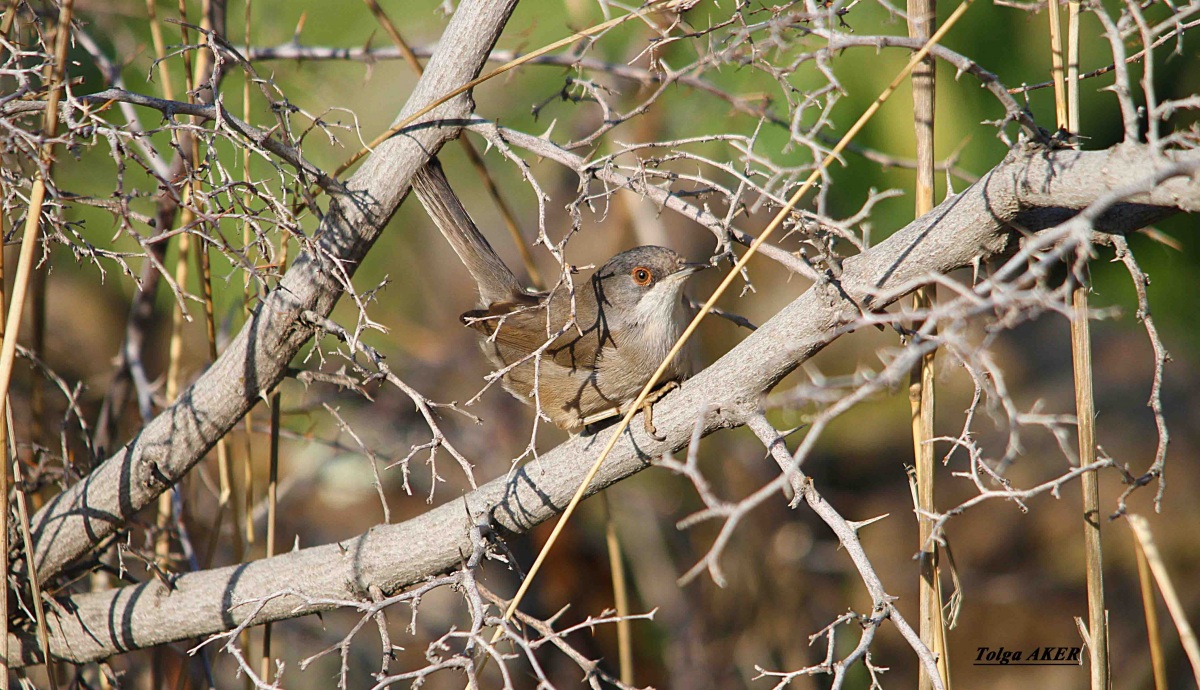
[601,416]
[648,408]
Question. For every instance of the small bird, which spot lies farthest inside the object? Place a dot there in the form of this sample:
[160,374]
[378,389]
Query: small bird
[581,371]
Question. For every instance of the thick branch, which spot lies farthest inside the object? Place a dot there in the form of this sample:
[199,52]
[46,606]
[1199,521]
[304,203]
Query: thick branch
[255,362]
[1032,189]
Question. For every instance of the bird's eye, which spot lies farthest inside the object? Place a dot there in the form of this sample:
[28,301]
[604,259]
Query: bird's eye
[641,275]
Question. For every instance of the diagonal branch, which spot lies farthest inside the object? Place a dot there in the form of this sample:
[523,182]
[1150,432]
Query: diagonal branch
[256,360]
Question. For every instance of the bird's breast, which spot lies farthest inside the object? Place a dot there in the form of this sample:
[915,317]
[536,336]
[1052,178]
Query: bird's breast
[640,344]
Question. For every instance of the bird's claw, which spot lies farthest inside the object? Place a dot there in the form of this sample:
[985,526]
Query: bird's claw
[648,409]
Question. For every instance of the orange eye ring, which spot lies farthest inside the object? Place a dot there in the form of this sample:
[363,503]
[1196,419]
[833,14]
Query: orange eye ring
[641,275]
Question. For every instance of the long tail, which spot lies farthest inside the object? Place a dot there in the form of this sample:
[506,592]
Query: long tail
[495,281]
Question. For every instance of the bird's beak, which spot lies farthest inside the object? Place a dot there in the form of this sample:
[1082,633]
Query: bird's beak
[687,268]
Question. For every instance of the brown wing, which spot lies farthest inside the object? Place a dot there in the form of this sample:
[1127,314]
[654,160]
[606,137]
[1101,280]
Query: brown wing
[565,372]
[519,329]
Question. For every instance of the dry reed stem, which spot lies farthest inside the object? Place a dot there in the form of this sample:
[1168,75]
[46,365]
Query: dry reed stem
[4,460]
[1187,637]
[247,235]
[1145,583]
[1067,118]
[187,216]
[243,535]
[25,262]
[272,504]
[1056,63]
[922,15]
[272,488]
[616,563]
[5,26]
[39,608]
[224,472]
[1081,351]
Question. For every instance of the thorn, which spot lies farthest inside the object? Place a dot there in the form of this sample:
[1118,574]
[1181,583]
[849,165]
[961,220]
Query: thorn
[300,26]
[856,526]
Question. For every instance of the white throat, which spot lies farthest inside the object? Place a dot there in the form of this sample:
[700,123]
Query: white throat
[660,316]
